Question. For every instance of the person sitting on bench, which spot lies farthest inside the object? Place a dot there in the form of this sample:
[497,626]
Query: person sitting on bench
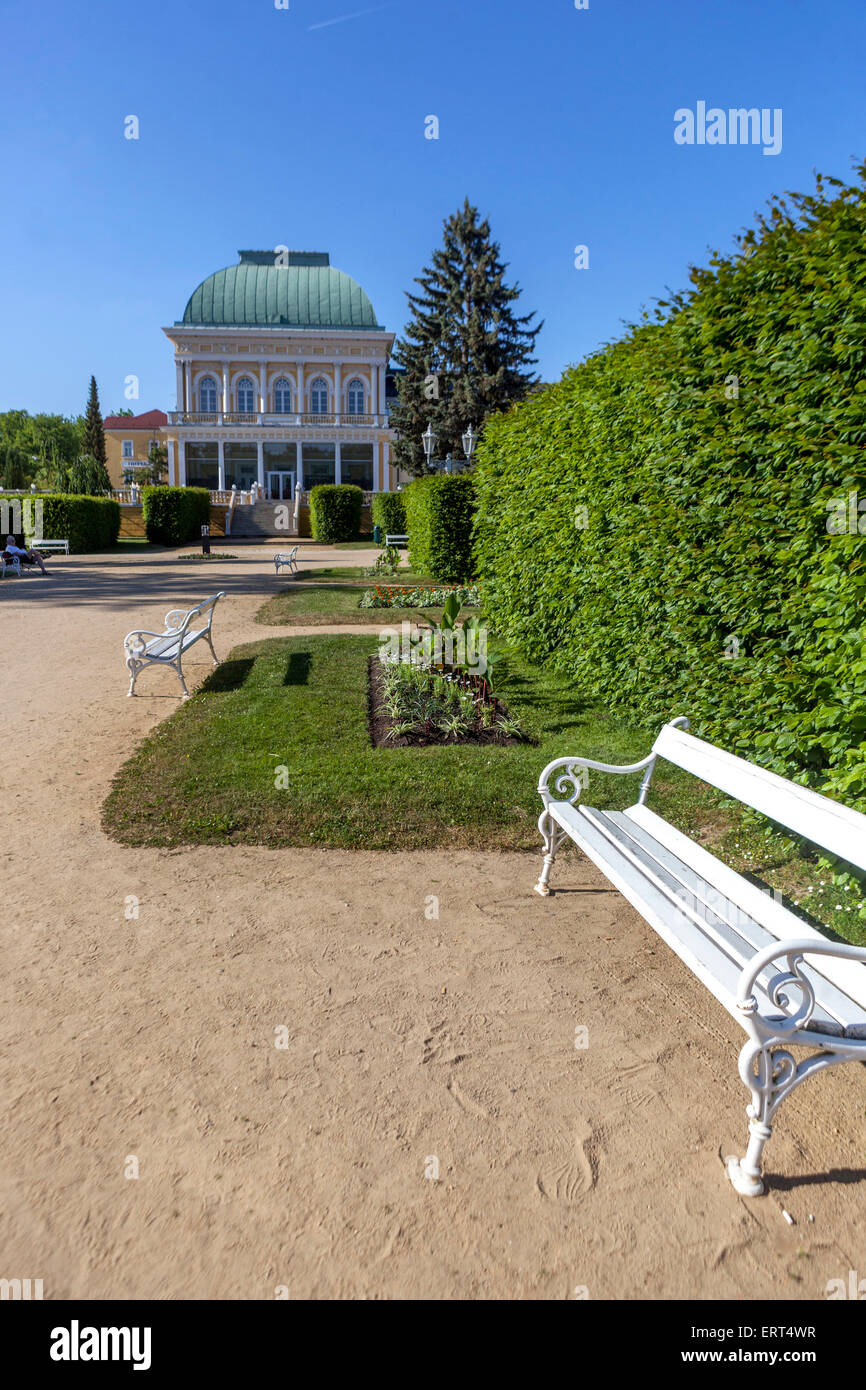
[30,557]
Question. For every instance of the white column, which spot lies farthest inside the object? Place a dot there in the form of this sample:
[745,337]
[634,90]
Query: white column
[181,462]
[380,409]
[226,406]
[299,403]
[171,481]
[263,387]
[221,466]
[338,388]
[187,371]
[338,464]
[386,465]
[299,477]
[178,365]
[261,465]
[377,454]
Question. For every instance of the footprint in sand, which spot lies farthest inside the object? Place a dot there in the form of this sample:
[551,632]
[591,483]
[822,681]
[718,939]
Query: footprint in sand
[572,1177]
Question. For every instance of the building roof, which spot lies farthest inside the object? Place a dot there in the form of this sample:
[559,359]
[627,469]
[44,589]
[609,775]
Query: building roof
[150,420]
[269,289]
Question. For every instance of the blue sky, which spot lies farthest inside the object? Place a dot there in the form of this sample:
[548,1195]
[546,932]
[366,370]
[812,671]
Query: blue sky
[262,127]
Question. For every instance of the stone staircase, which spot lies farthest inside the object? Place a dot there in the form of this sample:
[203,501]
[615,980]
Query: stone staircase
[259,521]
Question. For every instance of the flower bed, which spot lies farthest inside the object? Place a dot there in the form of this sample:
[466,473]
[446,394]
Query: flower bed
[414,704]
[418,596]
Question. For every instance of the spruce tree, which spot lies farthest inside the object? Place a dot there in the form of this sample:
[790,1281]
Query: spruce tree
[93,442]
[465,352]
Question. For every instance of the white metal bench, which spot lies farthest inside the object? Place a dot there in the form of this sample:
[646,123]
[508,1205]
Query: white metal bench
[183,628]
[50,545]
[396,539]
[289,560]
[15,562]
[785,983]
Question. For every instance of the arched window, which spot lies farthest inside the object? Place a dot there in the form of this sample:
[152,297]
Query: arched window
[319,396]
[355,397]
[207,395]
[246,393]
[282,396]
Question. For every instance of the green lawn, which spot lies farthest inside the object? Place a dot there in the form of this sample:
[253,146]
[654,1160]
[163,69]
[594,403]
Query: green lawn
[327,603]
[207,774]
[356,574]
[308,604]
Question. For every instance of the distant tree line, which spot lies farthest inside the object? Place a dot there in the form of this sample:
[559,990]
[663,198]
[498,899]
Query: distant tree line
[57,453]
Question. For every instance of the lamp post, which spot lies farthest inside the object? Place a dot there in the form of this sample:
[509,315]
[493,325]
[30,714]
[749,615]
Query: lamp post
[470,439]
[429,439]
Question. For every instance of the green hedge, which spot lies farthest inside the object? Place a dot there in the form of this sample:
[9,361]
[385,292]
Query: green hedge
[88,523]
[440,513]
[335,512]
[173,515]
[389,512]
[656,524]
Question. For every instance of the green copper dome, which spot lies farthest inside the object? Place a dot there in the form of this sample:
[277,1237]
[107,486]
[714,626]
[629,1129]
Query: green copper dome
[295,289]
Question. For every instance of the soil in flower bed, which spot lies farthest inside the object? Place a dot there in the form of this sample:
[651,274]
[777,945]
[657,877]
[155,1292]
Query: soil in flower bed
[425,736]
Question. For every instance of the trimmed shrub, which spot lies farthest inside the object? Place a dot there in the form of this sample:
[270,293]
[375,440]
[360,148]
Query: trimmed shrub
[88,523]
[671,524]
[389,513]
[335,512]
[440,513]
[173,515]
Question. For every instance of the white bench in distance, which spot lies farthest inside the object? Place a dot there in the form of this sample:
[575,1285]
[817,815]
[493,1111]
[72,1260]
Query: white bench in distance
[183,628]
[397,539]
[289,559]
[50,545]
[786,984]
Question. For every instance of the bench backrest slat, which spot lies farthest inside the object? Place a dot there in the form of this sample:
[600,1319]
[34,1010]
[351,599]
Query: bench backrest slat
[206,607]
[834,827]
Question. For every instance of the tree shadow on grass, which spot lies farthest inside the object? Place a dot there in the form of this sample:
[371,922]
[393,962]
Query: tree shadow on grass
[298,668]
[230,675]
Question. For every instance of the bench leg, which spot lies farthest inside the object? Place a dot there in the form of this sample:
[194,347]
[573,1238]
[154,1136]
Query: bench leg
[134,668]
[769,1075]
[177,667]
[745,1172]
[212,652]
[552,836]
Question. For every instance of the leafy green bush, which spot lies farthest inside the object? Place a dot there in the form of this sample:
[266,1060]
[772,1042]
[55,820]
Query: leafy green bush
[88,523]
[86,477]
[659,524]
[173,515]
[389,512]
[440,513]
[335,512]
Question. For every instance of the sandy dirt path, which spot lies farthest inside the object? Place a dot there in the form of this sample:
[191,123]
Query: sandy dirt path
[411,1045]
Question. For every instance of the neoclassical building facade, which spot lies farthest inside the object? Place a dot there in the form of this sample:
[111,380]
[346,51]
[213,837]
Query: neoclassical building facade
[282,379]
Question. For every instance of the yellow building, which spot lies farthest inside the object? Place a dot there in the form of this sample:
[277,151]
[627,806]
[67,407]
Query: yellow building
[281,380]
[128,439]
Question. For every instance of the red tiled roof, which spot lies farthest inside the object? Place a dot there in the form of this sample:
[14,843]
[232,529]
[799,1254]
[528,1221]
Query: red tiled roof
[150,420]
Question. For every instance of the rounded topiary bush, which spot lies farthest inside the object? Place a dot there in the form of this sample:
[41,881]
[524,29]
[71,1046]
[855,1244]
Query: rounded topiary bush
[173,515]
[335,512]
[389,512]
[88,523]
[440,515]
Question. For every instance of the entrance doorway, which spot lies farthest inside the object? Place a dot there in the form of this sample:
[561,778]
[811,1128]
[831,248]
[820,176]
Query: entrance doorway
[281,486]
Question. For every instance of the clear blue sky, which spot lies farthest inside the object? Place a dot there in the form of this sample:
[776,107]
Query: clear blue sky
[261,127]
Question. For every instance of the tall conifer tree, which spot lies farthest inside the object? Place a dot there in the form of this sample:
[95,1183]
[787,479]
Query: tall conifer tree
[93,442]
[465,352]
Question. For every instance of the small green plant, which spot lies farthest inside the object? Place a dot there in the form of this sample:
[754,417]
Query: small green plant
[387,562]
